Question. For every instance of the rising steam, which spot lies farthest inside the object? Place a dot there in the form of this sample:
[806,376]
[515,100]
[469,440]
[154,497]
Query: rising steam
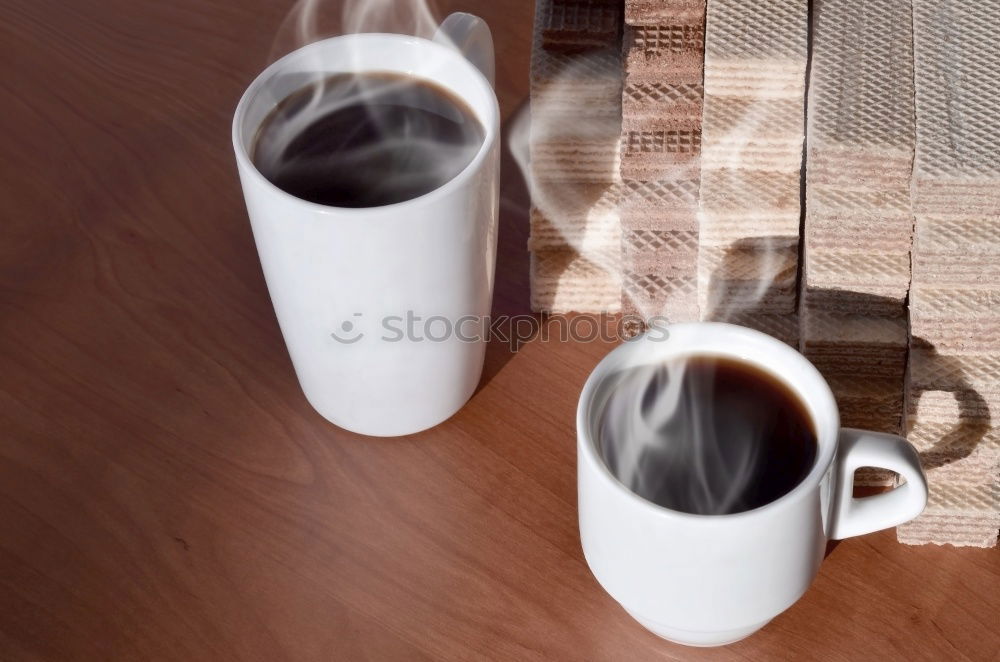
[312,20]
[660,436]
[350,129]
[659,439]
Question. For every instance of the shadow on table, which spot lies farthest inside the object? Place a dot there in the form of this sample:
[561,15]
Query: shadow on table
[510,286]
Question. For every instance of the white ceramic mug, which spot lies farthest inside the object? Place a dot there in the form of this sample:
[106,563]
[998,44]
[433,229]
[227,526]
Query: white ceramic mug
[344,282]
[708,580]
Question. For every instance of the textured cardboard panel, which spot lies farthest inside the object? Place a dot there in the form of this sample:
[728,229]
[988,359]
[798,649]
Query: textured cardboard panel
[660,251]
[591,161]
[573,25]
[588,233]
[861,84]
[661,147]
[959,512]
[957,84]
[746,31]
[564,281]
[859,221]
[650,102]
[664,12]
[576,82]
[952,421]
[755,60]
[954,394]
[861,145]
[652,295]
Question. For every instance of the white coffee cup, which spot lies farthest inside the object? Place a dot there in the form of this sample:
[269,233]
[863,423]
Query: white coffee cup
[709,580]
[339,278]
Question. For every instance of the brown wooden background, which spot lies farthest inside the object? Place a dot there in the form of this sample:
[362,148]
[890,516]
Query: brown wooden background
[166,493]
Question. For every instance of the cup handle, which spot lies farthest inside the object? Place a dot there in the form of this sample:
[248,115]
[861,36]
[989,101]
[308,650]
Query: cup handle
[861,448]
[471,37]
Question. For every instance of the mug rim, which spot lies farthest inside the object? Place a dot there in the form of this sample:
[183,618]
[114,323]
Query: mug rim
[490,122]
[608,366]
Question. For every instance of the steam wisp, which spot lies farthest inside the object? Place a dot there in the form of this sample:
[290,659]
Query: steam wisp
[352,136]
[662,438]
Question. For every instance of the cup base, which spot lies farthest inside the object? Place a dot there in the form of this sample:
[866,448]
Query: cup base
[386,426]
[373,418]
[698,638]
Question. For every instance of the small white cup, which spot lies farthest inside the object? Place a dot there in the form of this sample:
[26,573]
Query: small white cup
[709,580]
[340,278]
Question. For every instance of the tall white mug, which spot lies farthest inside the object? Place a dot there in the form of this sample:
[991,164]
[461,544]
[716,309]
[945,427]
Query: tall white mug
[380,306]
[708,580]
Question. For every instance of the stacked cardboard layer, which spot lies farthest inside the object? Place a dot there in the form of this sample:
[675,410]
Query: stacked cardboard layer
[576,25]
[954,390]
[858,230]
[661,136]
[575,184]
[752,131]
[664,12]
[959,512]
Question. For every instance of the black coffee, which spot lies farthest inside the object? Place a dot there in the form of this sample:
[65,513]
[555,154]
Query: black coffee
[366,140]
[707,435]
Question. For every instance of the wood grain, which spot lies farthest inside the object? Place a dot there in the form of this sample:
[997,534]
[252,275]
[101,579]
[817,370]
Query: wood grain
[166,492]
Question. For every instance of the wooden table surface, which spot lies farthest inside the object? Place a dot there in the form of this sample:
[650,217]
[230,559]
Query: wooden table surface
[166,493]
